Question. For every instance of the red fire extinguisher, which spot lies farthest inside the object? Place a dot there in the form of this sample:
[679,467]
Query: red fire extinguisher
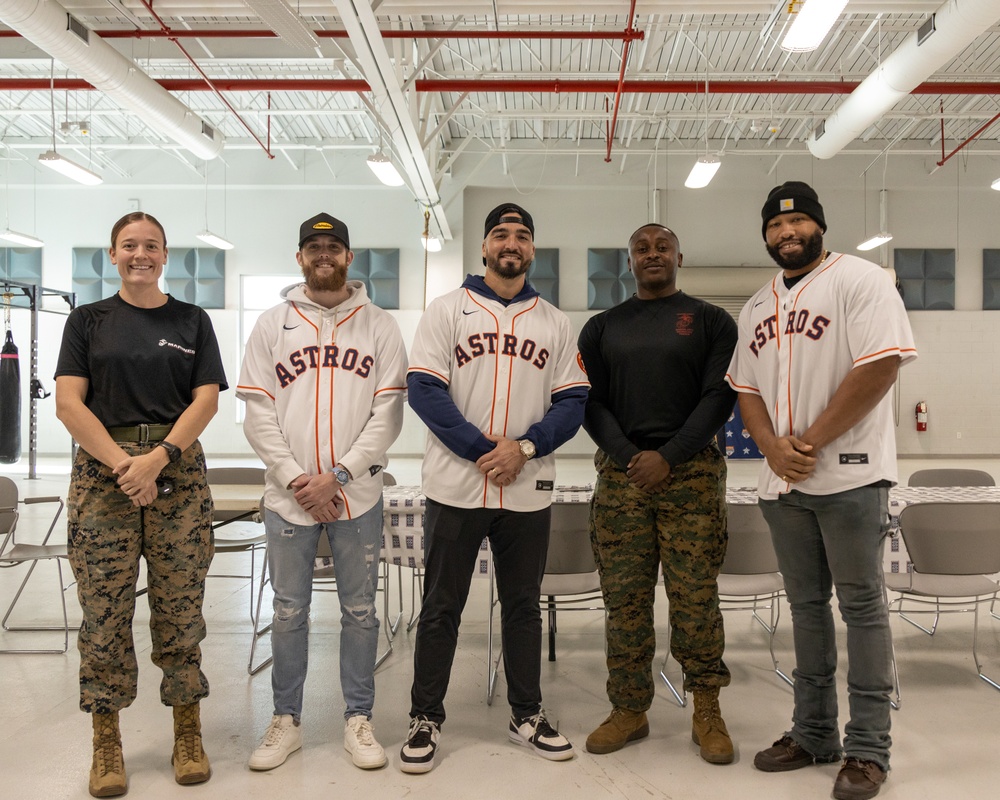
[921,411]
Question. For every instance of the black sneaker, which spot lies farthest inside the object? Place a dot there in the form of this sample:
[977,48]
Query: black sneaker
[536,732]
[417,753]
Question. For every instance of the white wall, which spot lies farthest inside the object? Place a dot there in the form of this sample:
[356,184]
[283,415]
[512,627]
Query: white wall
[719,229]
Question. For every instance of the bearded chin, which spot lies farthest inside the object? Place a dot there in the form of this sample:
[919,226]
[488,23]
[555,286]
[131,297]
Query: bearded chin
[331,282]
[812,250]
[508,269]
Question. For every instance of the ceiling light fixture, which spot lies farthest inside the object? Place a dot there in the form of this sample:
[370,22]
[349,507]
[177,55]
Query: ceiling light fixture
[384,169]
[285,22]
[215,240]
[702,172]
[431,243]
[813,22]
[62,165]
[22,239]
[996,185]
[882,237]
[209,238]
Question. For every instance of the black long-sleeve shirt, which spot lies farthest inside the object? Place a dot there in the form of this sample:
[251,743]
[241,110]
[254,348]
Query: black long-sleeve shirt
[656,370]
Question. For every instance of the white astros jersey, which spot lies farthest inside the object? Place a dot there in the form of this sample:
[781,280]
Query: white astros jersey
[502,364]
[335,381]
[797,345]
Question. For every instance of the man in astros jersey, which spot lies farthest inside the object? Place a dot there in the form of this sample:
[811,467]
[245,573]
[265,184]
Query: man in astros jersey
[323,379]
[496,377]
[820,346]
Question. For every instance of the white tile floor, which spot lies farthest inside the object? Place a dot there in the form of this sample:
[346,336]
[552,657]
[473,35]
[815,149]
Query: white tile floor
[945,733]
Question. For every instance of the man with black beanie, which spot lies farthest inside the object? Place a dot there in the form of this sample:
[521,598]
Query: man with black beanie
[819,348]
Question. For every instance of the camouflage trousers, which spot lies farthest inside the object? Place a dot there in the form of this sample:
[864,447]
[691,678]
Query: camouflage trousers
[107,536]
[633,533]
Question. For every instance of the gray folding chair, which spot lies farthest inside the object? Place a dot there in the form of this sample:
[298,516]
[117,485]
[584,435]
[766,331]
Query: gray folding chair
[238,531]
[951,477]
[14,553]
[570,581]
[749,581]
[954,549]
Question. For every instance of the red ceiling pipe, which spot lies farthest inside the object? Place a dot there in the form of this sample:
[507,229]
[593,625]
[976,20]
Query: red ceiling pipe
[972,138]
[500,85]
[628,35]
[208,81]
[621,81]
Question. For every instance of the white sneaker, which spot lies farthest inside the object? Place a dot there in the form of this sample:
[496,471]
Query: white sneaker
[359,741]
[537,733]
[282,738]
[417,753]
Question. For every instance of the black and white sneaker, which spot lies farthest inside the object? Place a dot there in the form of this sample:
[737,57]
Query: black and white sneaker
[417,753]
[536,732]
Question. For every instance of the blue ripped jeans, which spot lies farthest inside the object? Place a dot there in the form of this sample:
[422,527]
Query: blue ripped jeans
[291,554]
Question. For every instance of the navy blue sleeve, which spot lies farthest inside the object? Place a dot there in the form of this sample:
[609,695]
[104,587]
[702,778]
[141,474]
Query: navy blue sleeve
[429,398]
[561,421]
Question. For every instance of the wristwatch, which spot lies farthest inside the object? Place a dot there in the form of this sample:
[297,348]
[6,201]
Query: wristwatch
[342,475]
[173,451]
[527,448]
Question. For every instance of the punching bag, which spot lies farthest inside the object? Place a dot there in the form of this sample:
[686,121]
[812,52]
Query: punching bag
[10,402]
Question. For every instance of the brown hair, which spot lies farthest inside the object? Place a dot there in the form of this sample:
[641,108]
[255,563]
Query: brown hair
[128,219]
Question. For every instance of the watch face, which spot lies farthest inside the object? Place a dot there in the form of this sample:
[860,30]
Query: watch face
[527,448]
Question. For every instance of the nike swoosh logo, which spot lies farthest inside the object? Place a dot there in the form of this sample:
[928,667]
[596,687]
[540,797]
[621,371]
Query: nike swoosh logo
[757,304]
[469,312]
[287,328]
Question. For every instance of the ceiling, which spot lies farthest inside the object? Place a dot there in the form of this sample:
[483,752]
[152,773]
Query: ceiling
[448,87]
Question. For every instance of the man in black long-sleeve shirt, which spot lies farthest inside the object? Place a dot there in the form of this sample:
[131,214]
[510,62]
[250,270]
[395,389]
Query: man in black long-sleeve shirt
[656,365]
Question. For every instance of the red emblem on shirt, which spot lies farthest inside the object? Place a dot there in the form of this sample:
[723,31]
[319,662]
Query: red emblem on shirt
[685,324]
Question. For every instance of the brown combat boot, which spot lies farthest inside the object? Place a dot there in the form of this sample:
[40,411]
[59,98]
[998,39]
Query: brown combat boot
[708,729]
[107,771]
[189,759]
[620,728]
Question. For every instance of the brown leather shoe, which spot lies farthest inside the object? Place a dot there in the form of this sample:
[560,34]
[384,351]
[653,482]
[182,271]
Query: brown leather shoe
[620,728]
[708,729]
[858,780]
[786,754]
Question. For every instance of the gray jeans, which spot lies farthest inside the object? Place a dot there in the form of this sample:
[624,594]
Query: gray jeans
[822,542]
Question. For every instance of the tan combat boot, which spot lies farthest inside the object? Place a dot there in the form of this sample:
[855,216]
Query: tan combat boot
[708,729]
[189,759]
[620,728]
[107,771]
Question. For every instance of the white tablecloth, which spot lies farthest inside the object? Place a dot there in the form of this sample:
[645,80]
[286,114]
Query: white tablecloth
[404,517]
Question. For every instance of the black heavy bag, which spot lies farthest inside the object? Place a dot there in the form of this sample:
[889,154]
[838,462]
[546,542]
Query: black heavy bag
[10,403]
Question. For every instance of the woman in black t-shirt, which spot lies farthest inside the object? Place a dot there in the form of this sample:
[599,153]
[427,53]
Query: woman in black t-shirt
[138,379]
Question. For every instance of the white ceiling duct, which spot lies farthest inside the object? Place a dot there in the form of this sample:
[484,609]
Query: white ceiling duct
[957,23]
[47,25]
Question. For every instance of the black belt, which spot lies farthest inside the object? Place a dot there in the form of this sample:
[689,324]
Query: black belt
[140,433]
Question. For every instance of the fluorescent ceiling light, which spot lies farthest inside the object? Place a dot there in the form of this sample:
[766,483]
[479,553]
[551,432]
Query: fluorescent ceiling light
[23,239]
[702,172]
[996,184]
[812,24]
[281,19]
[216,241]
[431,244]
[875,241]
[54,161]
[384,169]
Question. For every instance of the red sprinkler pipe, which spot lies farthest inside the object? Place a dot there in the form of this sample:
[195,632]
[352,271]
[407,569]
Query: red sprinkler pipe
[621,81]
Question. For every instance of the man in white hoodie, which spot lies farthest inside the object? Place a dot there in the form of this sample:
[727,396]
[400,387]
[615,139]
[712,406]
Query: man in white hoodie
[323,378]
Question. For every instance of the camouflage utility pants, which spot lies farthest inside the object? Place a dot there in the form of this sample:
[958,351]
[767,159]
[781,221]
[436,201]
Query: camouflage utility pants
[107,536]
[633,532]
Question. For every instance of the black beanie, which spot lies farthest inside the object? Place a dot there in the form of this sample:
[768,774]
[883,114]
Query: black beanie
[791,196]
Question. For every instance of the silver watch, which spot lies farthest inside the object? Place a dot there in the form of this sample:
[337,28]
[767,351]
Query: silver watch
[342,475]
[527,448]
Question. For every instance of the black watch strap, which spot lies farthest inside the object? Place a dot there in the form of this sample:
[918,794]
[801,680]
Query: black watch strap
[173,451]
